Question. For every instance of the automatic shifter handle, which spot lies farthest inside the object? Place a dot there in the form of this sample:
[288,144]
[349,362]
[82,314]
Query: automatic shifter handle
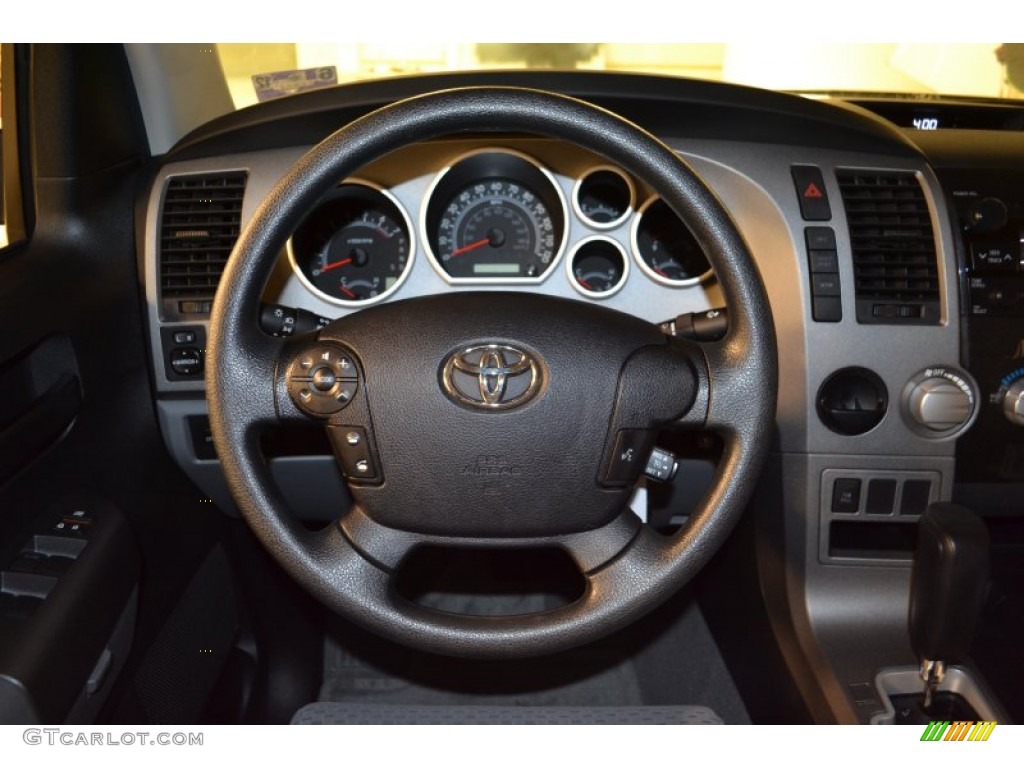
[947,588]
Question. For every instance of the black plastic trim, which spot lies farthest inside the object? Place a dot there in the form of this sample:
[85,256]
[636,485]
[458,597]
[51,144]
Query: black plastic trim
[663,105]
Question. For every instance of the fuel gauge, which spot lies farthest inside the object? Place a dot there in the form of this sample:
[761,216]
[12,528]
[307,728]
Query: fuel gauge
[598,267]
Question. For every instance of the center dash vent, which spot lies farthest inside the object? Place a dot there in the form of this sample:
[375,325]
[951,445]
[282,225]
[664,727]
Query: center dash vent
[896,274]
[199,224]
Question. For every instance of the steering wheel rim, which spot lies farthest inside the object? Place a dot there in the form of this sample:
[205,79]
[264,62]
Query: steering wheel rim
[628,568]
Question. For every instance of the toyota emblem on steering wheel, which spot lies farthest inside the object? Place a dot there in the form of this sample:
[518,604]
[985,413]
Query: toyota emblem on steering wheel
[491,376]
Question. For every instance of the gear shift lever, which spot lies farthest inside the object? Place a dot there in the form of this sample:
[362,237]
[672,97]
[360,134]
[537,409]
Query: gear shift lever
[947,588]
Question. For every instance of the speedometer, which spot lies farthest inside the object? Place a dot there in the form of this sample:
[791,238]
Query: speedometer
[494,216]
[496,229]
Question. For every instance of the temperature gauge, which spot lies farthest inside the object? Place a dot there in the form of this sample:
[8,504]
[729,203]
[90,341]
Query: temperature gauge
[598,267]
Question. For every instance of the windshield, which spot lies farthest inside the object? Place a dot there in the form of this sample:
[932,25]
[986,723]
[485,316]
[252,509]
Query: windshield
[261,72]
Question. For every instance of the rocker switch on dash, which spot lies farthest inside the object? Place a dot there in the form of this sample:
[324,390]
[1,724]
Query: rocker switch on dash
[846,495]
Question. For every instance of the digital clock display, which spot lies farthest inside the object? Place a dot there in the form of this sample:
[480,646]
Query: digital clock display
[925,123]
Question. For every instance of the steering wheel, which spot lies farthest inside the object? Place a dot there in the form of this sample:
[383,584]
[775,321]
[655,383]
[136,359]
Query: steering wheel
[486,419]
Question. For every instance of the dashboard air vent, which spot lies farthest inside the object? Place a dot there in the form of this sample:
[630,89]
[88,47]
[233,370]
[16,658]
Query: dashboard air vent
[896,273]
[199,225]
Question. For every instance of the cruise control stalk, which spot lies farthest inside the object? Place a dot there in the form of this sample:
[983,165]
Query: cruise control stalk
[710,325]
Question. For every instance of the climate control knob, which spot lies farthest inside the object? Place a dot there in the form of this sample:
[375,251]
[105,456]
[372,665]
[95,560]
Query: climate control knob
[1013,403]
[940,402]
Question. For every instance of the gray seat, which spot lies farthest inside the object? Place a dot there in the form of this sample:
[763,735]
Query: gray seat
[342,713]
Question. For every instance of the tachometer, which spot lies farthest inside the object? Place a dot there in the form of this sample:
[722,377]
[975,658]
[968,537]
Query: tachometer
[494,216]
[356,247]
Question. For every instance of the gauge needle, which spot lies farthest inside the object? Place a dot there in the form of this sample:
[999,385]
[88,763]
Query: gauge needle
[584,284]
[347,292]
[342,263]
[471,246]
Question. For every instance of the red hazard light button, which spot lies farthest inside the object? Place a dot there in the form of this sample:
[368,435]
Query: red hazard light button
[810,191]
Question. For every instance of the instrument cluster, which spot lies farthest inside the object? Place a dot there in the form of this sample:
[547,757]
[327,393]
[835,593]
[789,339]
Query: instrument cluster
[494,216]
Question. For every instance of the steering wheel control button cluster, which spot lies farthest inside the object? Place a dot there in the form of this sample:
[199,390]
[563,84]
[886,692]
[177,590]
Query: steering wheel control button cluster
[354,448]
[322,380]
[491,377]
[823,261]
[629,456]
[661,465]
[810,191]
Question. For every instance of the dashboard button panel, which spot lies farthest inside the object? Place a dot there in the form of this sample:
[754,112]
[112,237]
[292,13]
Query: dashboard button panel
[823,262]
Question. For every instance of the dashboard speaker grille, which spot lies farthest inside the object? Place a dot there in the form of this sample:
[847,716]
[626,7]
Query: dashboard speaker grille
[199,224]
[896,274]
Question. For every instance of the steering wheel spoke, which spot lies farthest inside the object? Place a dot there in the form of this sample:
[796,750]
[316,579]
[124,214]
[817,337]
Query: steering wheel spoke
[388,547]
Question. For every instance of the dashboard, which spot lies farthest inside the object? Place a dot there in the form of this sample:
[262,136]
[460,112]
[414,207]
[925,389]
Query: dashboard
[892,275]
[528,214]
[493,216]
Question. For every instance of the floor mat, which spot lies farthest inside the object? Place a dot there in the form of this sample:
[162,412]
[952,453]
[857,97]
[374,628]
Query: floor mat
[599,678]
[667,659]
[333,713]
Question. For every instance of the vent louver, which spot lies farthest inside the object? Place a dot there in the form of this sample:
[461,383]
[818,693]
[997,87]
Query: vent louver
[199,225]
[896,273]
